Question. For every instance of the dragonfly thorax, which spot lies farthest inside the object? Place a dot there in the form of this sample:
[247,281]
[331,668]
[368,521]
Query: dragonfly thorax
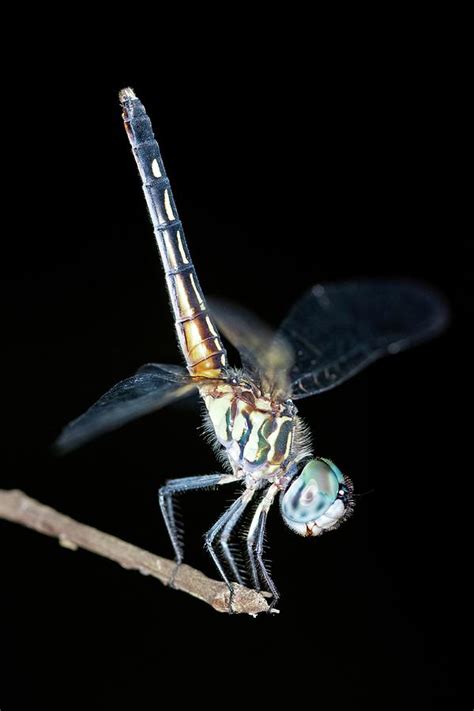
[257,432]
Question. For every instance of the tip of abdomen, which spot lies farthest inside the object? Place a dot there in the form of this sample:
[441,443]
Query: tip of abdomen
[126,94]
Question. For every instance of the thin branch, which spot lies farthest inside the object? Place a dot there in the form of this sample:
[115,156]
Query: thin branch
[19,508]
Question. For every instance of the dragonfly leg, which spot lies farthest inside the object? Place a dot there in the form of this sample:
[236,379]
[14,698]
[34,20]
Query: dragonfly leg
[255,544]
[227,521]
[178,486]
[224,540]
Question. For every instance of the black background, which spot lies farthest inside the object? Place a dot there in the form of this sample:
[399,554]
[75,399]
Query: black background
[284,175]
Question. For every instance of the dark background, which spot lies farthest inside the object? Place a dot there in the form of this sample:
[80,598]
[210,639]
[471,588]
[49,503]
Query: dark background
[283,176]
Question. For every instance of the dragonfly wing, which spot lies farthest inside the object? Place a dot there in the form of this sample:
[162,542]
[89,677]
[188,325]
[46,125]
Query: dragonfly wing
[172,373]
[130,399]
[266,355]
[337,330]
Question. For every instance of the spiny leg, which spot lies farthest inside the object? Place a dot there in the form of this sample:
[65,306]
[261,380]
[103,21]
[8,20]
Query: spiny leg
[179,486]
[259,555]
[224,540]
[255,543]
[230,516]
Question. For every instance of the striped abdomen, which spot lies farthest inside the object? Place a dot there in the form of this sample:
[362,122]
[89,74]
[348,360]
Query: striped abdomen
[257,436]
[197,334]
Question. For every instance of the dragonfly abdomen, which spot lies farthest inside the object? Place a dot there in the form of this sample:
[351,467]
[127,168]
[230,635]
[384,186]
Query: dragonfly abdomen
[197,335]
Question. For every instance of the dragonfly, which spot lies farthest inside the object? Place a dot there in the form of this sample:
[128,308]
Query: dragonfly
[329,335]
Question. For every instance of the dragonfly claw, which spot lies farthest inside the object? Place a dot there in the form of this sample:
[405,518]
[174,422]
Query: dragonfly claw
[171,582]
[231,610]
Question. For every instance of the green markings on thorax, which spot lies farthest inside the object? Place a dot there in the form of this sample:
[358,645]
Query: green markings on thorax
[254,433]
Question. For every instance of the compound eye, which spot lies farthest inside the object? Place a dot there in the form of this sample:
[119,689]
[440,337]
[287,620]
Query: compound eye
[316,499]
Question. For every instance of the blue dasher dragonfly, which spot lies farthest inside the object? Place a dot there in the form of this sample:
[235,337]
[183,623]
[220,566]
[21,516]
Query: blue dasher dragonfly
[329,335]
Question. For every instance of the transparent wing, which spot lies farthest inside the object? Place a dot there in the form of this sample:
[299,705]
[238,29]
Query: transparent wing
[167,371]
[267,356]
[153,387]
[338,329]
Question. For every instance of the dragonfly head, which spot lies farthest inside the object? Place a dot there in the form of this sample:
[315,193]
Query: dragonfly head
[318,499]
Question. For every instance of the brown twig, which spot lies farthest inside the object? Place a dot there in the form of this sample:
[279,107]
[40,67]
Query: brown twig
[18,507]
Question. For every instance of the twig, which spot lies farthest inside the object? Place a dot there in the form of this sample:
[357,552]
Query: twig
[19,508]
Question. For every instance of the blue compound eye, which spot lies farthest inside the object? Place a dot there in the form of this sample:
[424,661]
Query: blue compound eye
[312,493]
[317,499]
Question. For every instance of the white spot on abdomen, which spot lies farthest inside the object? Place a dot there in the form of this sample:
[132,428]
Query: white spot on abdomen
[170,252]
[168,208]
[181,248]
[155,168]
[197,292]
